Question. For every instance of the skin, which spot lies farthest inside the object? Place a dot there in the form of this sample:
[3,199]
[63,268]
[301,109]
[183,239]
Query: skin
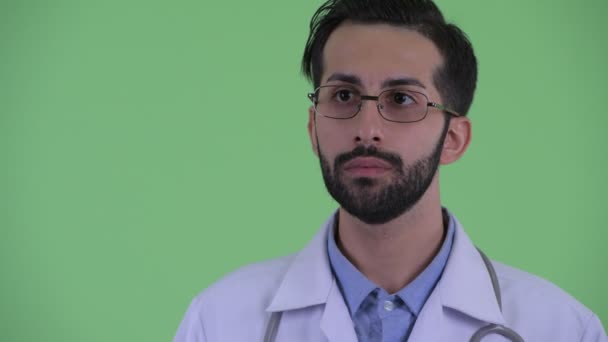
[394,253]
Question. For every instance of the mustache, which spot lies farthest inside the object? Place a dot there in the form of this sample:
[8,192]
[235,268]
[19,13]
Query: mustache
[368,151]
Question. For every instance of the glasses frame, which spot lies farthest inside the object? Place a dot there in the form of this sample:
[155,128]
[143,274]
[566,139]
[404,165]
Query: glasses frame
[313,97]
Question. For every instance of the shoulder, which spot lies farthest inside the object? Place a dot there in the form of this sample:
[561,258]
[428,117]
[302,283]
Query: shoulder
[251,279]
[254,284]
[240,296]
[525,287]
[530,298]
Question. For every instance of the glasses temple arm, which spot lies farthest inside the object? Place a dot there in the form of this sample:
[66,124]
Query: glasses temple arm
[443,108]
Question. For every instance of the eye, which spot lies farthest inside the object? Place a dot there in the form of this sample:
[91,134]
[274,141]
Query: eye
[402,99]
[344,95]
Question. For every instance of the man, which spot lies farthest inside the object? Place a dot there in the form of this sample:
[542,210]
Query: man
[393,84]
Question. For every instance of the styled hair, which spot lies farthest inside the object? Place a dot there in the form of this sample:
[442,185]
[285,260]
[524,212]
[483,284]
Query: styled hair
[455,79]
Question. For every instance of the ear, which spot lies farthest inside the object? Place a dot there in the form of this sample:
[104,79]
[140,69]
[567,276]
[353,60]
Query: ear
[312,134]
[457,140]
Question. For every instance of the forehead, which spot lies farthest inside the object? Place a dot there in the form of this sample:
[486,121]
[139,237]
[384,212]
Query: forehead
[376,52]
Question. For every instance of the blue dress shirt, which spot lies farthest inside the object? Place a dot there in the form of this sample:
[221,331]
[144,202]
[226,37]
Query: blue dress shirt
[377,315]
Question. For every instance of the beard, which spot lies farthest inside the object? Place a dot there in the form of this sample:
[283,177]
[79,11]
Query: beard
[367,198]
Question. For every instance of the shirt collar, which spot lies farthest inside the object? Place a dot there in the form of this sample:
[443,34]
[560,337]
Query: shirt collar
[418,291]
[356,287]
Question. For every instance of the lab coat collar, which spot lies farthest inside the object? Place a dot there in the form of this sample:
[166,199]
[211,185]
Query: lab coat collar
[309,279]
[465,285]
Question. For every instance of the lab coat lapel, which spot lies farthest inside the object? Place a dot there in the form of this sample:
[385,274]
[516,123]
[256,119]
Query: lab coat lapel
[308,282]
[465,285]
[429,324]
[336,322]
[463,299]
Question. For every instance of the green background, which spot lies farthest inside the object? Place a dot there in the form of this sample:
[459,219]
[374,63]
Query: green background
[148,148]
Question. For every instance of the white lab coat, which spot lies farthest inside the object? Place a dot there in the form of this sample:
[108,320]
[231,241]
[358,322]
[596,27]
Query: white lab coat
[237,308]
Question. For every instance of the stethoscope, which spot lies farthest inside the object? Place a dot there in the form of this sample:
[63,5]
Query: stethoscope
[275,318]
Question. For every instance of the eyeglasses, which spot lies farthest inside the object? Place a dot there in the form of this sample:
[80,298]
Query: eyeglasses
[397,105]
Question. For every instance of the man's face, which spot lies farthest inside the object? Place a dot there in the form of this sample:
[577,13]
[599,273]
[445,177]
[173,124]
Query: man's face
[377,169]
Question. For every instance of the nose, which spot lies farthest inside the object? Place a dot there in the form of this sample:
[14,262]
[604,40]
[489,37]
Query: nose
[369,125]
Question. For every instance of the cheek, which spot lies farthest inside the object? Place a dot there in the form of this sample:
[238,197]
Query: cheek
[413,143]
[333,138]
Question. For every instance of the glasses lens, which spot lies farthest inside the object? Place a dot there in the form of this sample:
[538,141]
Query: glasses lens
[339,102]
[403,105]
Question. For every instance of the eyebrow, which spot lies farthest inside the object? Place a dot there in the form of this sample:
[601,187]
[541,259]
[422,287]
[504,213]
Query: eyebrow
[347,78]
[394,82]
[388,83]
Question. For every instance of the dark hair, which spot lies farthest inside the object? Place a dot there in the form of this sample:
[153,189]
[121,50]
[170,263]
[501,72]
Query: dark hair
[455,79]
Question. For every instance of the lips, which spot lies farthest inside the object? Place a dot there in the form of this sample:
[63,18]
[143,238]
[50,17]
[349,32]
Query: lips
[362,163]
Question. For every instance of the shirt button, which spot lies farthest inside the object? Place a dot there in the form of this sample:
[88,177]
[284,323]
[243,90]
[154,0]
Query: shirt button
[388,305]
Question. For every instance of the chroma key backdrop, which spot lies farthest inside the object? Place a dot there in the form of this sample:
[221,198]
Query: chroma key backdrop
[147,148]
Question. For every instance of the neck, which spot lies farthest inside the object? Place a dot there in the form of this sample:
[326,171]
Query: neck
[392,254]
